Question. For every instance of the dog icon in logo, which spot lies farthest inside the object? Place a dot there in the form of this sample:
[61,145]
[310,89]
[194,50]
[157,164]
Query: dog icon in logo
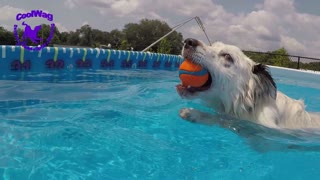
[30,33]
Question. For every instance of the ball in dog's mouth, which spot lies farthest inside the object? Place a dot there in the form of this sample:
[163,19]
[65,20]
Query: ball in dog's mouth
[184,90]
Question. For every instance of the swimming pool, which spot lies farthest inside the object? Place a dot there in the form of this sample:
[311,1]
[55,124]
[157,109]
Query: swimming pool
[124,124]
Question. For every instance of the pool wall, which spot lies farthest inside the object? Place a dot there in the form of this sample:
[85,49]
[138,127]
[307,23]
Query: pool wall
[17,59]
[295,76]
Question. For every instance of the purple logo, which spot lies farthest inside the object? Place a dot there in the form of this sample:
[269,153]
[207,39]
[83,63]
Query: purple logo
[106,64]
[142,64]
[167,64]
[32,33]
[17,65]
[84,64]
[126,64]
[156,64]
[52,64]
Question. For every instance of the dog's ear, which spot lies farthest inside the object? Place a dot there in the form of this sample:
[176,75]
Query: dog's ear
[265,84]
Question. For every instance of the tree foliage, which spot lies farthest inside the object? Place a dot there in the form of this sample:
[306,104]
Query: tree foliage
[164,46]
[141,35]
[281,58]
[6,37]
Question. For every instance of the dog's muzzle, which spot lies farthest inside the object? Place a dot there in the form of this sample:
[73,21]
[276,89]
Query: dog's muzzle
[191,43]
[190,46]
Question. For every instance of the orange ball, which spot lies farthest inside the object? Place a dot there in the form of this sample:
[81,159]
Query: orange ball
[192,74]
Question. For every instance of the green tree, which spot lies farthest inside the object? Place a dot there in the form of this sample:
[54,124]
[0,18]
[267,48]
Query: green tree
[116,38]
[64,37]
[146,32]
[100,37]
[6,37]
[85,35]
[312,66]
[47,30]
[124,45]
[73,38]
[280,58]
[164,47]
[264,58]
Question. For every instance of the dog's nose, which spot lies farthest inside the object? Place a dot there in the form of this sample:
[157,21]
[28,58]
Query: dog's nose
[190,43]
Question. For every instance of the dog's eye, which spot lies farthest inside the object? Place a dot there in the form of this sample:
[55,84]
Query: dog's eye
[227,57]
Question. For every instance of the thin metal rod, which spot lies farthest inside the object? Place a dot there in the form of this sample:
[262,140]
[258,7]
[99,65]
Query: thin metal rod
[202,27]
[175,28]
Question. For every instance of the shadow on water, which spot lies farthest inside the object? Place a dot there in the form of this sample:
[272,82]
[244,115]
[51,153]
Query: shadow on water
[264,139]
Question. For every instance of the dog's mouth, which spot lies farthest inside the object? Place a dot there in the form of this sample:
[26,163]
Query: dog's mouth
[190,51]
[188,90]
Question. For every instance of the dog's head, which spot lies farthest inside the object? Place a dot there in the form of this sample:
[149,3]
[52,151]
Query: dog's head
[233,76]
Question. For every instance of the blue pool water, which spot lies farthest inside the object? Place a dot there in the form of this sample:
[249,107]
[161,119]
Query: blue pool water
[125,125]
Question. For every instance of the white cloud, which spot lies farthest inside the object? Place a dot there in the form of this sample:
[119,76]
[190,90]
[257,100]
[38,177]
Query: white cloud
[118,8]
[84,23]
[279,6]
[7,27]
[272,25]
[154,15]
[269,27]
[61,28]
[70,4]
[9,13]
[125,7]
[292,44]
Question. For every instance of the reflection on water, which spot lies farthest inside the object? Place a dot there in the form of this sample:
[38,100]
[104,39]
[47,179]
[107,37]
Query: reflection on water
[265,139]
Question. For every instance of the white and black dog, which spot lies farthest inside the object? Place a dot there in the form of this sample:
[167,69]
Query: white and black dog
[240,88]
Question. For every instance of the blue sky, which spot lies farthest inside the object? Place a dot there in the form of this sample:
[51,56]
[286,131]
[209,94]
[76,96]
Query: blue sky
[261,25]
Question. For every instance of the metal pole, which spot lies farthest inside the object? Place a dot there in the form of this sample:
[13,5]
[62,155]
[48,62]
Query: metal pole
[178,26]
[298,63]
[202,28]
